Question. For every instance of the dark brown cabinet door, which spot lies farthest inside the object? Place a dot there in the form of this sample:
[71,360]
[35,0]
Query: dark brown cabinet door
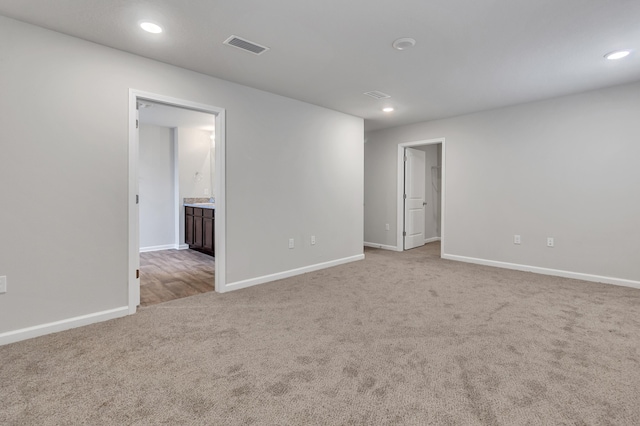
[188,229]
[207,237]
[197,231]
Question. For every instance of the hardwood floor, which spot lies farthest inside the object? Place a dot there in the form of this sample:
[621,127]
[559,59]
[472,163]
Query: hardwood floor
[173,274]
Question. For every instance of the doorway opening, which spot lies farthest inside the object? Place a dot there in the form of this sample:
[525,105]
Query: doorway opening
[176,152]
[421,194]
[176,157]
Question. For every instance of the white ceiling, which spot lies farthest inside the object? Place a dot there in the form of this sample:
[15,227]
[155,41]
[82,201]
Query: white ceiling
[470,55]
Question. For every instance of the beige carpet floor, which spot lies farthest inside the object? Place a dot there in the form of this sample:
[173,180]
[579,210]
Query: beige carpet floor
[399,338]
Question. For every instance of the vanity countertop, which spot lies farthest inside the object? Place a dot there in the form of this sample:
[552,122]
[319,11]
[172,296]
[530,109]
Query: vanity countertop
[211,206]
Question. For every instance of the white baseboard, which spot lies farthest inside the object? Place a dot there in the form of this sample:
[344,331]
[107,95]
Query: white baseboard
[431,240]
[158,248]
[546,271]
[290,273]
[381,246]
[183,246]
[66,324]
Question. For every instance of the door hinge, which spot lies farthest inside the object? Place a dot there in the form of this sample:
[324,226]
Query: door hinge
[404,196]
[137,124]
[137,273]
[404,234]
[405,158]
[137,199]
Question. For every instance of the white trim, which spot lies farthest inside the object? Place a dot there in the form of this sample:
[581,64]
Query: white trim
[400,190]
[546,271]
[183,247]
[400,199]
[220,222]
[431,240]
[177,203]
[158,248]
[66,324]
[290,273]
[134,219]
[381,246]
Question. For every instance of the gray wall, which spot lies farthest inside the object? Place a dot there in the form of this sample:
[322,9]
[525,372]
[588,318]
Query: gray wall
[194,148]
[566,168]
[194,156]
[157,180]
[156,187]
[292,169]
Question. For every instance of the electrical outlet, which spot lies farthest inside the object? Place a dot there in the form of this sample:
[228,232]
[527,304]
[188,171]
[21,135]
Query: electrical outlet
[550,242]
[516,239]
[3,284]
[291,243]
[386,227]
[313,240]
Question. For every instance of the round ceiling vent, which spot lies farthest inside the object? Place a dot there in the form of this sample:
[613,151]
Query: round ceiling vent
[404,43]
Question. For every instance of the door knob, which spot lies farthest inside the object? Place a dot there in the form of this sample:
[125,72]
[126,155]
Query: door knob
[424,203]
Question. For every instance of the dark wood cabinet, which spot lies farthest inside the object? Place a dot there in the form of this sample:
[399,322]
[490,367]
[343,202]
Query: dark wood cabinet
[207,233]
[199,232]
[188,225]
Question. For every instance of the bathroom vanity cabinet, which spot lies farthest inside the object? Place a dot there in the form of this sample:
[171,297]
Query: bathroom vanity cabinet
[199,228]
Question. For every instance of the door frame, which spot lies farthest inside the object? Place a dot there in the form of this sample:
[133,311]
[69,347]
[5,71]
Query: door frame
[219,188]
[400,190]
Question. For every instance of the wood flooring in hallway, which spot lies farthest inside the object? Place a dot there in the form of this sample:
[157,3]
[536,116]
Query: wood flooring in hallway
[173,274]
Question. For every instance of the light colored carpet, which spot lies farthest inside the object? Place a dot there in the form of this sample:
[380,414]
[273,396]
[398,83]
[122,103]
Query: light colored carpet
[399,338]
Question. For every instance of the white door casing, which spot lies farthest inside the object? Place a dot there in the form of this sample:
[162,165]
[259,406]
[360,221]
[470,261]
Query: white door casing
[134,291]
[220,189]
[400,191]
[414,202]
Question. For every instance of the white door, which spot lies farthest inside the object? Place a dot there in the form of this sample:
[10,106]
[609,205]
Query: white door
[414,178]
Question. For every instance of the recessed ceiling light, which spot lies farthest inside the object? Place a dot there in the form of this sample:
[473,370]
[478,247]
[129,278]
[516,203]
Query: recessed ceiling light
[617,54]
[151,27]
[387,109]
[403,43]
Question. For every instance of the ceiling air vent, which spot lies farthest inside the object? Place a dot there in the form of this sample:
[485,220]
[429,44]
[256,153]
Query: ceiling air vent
[377,95]
[246,45]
